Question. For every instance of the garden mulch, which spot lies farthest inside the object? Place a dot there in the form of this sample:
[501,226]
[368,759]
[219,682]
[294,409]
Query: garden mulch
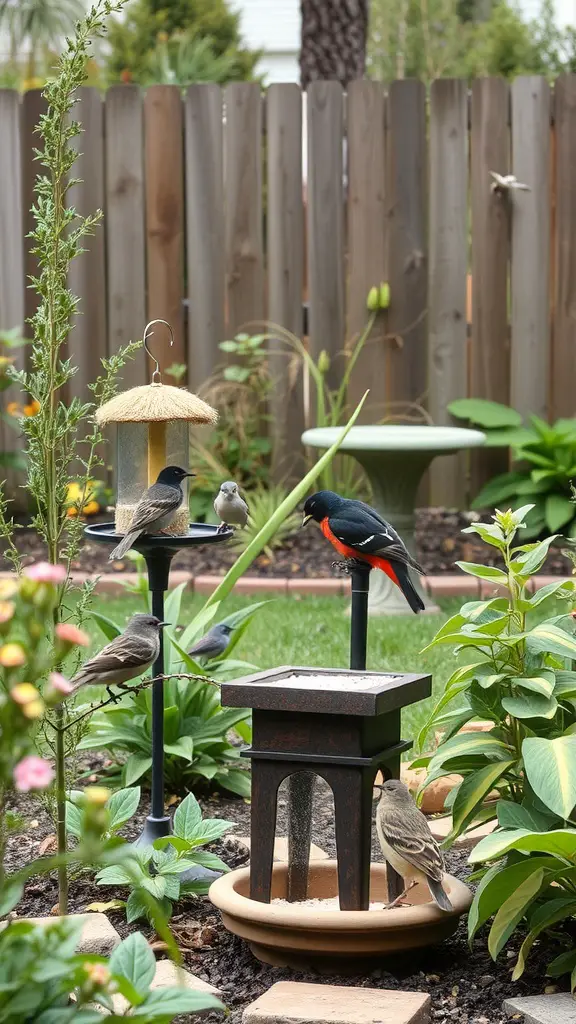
[466,986]
[306,554]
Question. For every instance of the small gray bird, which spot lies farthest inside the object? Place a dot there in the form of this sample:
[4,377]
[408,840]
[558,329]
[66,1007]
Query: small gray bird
[156,509]
[214,643]
[407,842]
[230,507]
[126,656]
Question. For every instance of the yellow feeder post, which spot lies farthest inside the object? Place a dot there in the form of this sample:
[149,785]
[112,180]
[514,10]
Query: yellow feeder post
[153,423]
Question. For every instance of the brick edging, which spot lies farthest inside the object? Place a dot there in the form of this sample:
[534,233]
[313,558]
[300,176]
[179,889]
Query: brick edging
[436,586]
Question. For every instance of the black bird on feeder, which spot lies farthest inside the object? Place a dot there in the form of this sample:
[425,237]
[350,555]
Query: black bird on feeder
[156,509]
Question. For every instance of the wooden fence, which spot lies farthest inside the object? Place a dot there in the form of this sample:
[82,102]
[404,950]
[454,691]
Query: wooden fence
[207,225]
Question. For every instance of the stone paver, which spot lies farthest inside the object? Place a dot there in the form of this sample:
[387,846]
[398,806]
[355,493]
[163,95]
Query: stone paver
[440,827]
[98,935]
[281,848]
[559,1008]
[290,1002]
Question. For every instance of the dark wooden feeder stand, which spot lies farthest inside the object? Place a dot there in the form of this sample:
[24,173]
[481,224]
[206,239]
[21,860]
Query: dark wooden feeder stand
[344,735]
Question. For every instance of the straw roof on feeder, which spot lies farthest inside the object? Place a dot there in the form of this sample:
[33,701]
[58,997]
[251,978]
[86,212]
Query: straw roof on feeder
[156,402]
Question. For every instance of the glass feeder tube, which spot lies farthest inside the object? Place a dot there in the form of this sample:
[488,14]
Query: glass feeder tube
[143,450]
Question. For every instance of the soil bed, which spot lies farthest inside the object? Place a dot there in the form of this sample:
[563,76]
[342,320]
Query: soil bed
[466,987]
[307,554]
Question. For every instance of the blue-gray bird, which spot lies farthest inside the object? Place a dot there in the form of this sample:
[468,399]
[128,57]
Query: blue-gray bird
[230,507]
[214,643]
[156,509]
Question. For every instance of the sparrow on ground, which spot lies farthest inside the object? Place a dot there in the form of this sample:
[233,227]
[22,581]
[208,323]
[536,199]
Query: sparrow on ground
[127,656]
[407,842]
[156,509]
[357,531]
[214,643]
[230,508]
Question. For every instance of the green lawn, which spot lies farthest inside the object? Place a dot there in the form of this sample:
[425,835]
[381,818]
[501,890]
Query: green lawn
[315,631]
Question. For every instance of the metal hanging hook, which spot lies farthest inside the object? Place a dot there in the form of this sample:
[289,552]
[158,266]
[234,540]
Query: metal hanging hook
[156,372]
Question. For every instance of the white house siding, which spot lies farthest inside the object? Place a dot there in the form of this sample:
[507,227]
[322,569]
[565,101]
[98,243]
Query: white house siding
[272,26]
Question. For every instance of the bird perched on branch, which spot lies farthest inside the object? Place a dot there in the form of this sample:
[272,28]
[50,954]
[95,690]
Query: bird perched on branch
[214,643]
[127,656]
[357,531]
[407,843]
[230,507]
[156,509]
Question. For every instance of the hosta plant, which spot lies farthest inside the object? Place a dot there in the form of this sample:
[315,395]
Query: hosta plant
[158,869]
[516,671]
[544,464]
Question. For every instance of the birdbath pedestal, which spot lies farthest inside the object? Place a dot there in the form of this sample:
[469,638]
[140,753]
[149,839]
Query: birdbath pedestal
[339,724]
[395,459]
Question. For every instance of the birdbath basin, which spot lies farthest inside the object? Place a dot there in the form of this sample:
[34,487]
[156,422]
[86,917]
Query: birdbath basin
[316,934]
[395,459]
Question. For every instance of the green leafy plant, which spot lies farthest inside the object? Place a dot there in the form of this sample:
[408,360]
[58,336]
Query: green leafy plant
[544,458]
[184,59]
[517,674]
[121,806]
[196,727]
[262,503]
[158,869]
[530,885]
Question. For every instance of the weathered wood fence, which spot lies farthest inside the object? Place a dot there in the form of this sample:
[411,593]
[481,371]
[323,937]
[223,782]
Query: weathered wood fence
[208,226]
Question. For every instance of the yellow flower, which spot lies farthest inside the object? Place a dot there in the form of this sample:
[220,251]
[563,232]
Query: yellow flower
[8,588]
[29,699]
[14,409]
[32,408]
[23,693]
[98,973]
[96,795]
[91,508]
[12,655]
[6,611]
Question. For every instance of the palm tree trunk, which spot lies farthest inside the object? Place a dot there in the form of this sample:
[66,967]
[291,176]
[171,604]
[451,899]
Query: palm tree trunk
[333,42]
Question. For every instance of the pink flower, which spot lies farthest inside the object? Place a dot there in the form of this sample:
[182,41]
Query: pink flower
[43,572]
[32,773]
[58,682]
[70,634]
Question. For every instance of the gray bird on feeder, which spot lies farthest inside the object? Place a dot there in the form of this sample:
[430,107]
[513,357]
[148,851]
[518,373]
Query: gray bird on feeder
[214,643]
[230,508]
[156,509]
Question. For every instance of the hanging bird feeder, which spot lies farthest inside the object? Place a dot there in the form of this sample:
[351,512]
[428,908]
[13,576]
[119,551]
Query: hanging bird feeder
[153,423]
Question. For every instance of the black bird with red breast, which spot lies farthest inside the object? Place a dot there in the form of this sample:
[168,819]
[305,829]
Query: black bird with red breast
[357,531]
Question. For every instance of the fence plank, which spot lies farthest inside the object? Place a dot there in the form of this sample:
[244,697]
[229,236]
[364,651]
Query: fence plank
[325,223]
[563,383]
[164,187]
[243,184]
[530,269]
[490,341]
[448,265]
[125,235]
[87,276]
[366,115]
[33,106]
[285,223]
[11,259]
[204,229]
[407,241]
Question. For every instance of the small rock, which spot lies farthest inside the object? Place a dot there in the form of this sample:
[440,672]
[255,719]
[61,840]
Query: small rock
[550,989]
[487,979]
[433,978]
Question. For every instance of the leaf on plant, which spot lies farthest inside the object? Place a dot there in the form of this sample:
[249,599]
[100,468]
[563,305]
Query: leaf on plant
[187,818]
[122,806]
[135,767]
[483,572]
[10,896]
[530,705]
[109,628]
[484,412]
[169,1002]
[513,909]
[134,960]
[135,907]
[471,794]
[558,843]
[550,766]
[559,510]
[513,815]
[533,559]
[546,638]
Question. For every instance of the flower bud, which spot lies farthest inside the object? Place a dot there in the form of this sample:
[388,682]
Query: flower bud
[12,656]
[323,361]
[373,300]
[384,295]
[96,795]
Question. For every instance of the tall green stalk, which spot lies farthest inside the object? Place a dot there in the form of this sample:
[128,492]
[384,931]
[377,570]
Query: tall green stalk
[57,440]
